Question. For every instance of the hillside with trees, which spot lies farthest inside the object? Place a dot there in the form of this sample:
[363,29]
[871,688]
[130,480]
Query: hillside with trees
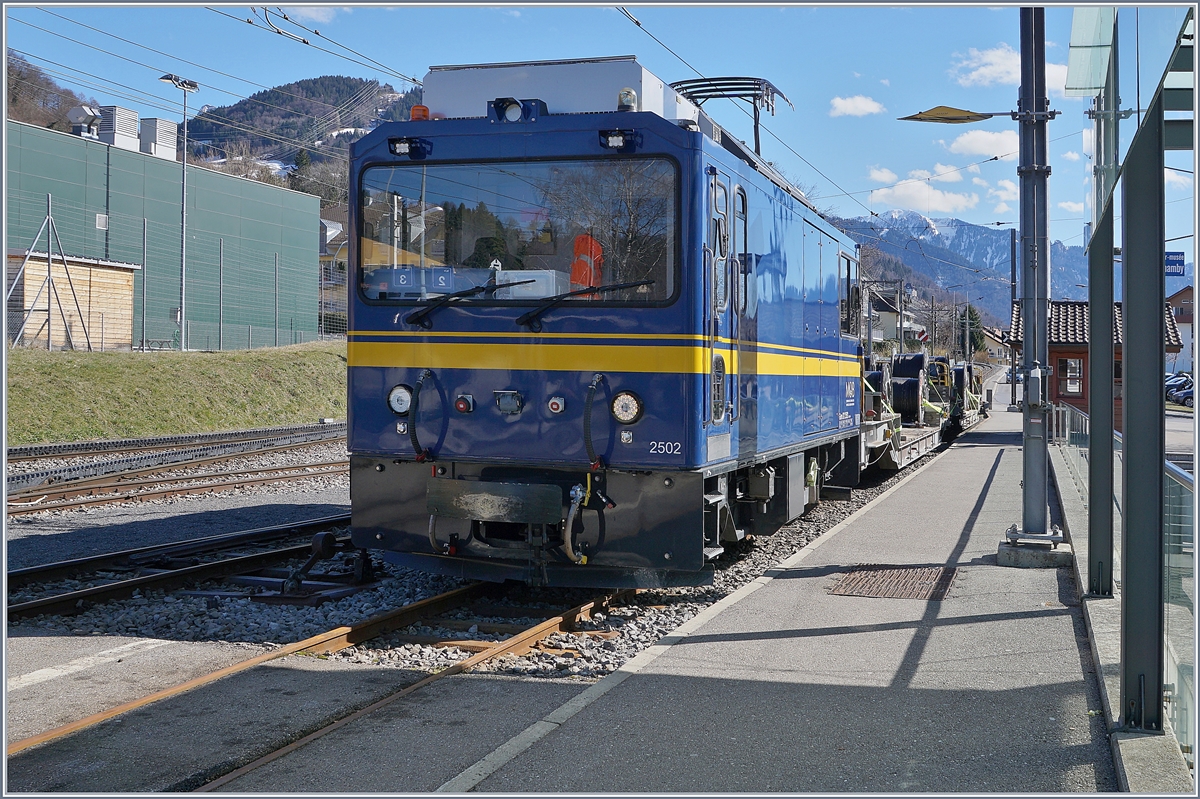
[318,115]
[35,98]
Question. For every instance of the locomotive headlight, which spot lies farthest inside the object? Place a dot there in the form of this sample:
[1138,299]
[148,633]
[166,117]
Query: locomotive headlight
[627,407]
[399,399]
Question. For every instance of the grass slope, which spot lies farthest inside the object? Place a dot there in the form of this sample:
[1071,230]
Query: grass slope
[78,396]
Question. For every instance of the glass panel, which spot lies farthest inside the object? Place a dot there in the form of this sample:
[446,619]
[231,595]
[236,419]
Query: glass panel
[1180,620]
[1143,42]
[559,225]
[1087,60]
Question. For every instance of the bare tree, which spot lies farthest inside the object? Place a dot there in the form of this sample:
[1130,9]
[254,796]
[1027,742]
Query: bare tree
[34,97]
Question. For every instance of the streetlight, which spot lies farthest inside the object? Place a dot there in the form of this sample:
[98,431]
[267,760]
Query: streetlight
[186,86]
[1032,114]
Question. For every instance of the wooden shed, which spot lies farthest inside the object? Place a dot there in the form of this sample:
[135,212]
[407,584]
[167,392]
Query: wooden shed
[87,293]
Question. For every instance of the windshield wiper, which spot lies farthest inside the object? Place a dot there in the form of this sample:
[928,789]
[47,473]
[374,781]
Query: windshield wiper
[532,318]
[421,317]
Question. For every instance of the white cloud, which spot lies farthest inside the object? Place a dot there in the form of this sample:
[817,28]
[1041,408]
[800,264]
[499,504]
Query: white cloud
[1005,191]
[920,196]
[1002,208]
[856,106]
[947,174]
[1071,155]
[1004,143]
[885,82]
[511,12]
[980,182]
[1177,179]
[883,175]
[855,74]
[1073,208]
[1087,143]
[1056,79]
[321,14]
[1001,64]
[940,173]
[973,168]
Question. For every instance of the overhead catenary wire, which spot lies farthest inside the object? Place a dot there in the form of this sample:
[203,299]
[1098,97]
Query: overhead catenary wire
[388,70]
[168,105]
[845,193]
[150,67]
[192,63]
[344,47]
[342,190]
[352,105]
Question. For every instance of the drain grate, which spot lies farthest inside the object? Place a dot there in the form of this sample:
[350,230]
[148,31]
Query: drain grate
[896,582]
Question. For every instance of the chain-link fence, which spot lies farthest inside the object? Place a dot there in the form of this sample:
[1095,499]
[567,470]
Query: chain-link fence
[332,321]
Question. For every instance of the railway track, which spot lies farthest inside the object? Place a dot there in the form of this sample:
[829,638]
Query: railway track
[127,445]
[156,454]
[126,487]
[442,611]
[163,567]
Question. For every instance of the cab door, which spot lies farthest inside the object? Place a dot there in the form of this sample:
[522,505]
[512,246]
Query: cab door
[721,357]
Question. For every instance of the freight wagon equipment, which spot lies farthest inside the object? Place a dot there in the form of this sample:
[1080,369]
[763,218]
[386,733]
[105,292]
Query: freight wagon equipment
[593,338]
[912,404]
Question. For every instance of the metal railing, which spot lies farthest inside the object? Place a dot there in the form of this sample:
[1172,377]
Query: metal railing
[1071,433]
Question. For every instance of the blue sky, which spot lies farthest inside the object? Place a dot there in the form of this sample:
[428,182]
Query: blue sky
[849,71]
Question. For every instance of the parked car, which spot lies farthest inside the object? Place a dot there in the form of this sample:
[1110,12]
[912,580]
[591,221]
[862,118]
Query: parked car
[1182,396]
[1177,382]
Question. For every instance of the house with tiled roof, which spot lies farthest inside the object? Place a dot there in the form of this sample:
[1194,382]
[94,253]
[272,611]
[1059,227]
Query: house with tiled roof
[1067,334]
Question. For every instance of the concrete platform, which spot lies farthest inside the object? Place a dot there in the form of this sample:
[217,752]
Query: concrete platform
[787,687]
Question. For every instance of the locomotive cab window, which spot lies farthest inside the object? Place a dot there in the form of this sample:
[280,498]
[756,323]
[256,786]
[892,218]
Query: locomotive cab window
[849,295]
[519,231]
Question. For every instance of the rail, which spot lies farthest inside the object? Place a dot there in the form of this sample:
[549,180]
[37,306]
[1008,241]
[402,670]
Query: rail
[1071,433]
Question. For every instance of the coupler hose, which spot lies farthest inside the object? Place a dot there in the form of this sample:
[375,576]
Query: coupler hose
[577,499]
[593,459]
[421,453]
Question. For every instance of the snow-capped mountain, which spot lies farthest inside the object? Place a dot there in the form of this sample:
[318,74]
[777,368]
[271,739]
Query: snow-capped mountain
[919,240]
[957,253]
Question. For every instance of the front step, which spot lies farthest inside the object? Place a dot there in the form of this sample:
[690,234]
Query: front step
[714,499]
[711,553]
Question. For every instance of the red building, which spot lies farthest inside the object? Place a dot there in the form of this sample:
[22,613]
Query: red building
[1068,346]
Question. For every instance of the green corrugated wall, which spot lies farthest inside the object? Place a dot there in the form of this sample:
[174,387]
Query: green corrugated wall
[255,221]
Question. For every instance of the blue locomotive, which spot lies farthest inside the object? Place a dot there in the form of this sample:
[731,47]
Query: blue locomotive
[593,338]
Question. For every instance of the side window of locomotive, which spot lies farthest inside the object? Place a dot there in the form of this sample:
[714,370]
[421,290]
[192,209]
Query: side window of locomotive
[740,262]
[719,243]
[847,290]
